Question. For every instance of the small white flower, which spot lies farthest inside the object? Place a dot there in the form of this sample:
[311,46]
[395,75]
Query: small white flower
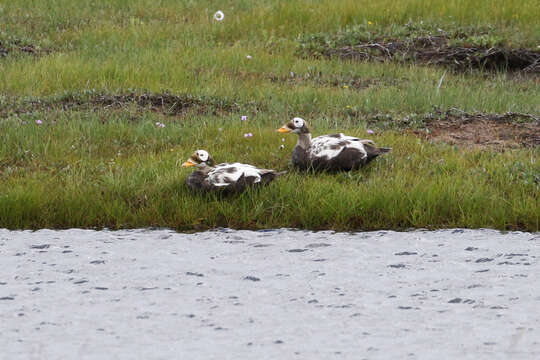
[219,15]
[244,118]
[248,57]
[282,146]
[283,139]
[39,122]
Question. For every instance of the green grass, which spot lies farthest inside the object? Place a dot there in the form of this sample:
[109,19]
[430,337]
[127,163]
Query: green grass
[125,173]
[112,167]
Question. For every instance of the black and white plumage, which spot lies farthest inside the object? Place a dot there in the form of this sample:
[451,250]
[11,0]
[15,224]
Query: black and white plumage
[234,177]
[337,152]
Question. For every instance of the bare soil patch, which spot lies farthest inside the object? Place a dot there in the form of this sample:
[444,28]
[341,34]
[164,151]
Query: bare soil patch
[18,46]
[434,50]
[165,103]
[479,129]
[318,78]
[457,49]
[457,127]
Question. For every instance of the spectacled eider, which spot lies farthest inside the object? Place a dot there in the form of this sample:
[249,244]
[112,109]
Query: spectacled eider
[235,177]
[330,152]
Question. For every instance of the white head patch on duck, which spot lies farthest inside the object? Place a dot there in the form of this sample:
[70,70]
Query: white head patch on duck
[298,122]
[201,159]
[203,155]
[296,125]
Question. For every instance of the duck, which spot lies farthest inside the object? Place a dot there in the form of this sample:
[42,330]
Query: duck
[334,152]
[228,177]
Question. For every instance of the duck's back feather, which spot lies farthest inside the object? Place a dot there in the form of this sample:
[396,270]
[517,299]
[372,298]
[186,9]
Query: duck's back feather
[227,174]
[330,146]
[232,177]
[336,152]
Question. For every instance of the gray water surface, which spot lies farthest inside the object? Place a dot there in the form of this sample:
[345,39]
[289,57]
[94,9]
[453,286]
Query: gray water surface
[157,294]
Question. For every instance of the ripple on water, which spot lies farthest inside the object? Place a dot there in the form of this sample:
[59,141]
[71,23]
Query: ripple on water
[281,292]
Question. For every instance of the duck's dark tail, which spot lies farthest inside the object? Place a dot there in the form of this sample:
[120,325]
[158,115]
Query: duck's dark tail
[270,175]
[373,151]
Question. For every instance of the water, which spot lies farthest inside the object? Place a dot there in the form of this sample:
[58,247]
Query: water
[157,294]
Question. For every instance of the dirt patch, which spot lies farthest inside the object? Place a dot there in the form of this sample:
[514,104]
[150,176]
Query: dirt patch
[164,103]
[317,78]
[458,50]
[18,46]
[457,127]
[435,51]
[478,129]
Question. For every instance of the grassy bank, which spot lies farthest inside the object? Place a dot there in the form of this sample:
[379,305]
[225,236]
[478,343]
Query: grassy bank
[77,152]
[75,170]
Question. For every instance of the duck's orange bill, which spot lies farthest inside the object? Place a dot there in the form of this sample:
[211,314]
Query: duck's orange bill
[284,129]
[188,163]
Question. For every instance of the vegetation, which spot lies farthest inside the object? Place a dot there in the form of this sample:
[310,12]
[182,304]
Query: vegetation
[457,48]
[83,85]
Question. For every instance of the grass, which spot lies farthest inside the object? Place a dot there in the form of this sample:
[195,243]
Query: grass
[454,47]
[110,166]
